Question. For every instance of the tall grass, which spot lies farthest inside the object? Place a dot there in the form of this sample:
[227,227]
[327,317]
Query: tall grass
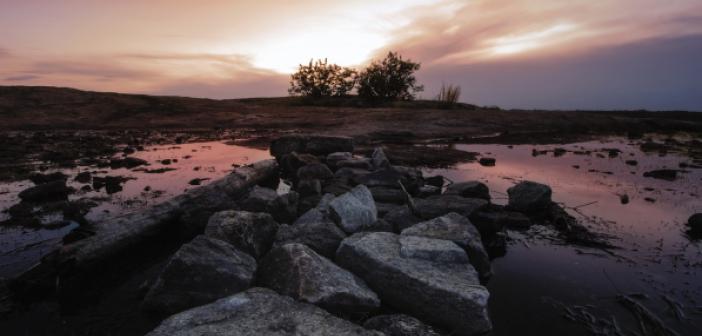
[449,94]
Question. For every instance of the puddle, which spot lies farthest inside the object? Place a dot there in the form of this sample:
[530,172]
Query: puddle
[205,161]
[655,258]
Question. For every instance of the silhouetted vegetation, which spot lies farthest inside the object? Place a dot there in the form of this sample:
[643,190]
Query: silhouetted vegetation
[389,79]
[321,79]
[449,94]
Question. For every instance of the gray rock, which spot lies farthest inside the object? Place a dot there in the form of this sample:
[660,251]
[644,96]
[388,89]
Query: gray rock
[290,163]
[353,174]
[309,187]
[337,187]
[471,189]
[440,205]
[529,196]
[322,235]
[436,181]
[201,271]
[314,144]
[297,271]
[258,311]
[354,210]
[333,158]
[399,325]
[379,159]
[438,250]
[315,171]
[388,195]
[284,207]
[446,294]
[494,221]
[385,208]
[251,232]
[380,226]
[401,218]
[358,163]
[428,191]
[460,230]
[259,199]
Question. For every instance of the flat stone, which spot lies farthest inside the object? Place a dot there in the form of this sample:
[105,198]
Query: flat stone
[257,311]
[297,271]
[322,235]
[446,294]
[201,271]
[438,250]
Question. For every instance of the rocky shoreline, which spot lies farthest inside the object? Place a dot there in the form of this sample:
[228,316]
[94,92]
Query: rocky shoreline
[356,244]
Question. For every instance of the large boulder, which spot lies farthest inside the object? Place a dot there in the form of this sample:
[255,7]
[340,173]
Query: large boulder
[201,271]
[399,325]
[529,196]
[50,191]
[388,195]
[439,205]
[315,171]
[333,158]
[470,189]
[447,294]
[322,235]
[354,210]
[290,163]
[258,311]
[496,218]
[314,144]
[297,271]
[283,208]
[458,229]
[251,232]
[259,199]
[438,250]
[379,159]
[401,217]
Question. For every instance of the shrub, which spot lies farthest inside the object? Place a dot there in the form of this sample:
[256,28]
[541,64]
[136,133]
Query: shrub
[321,79]
[389,79]
[449,94]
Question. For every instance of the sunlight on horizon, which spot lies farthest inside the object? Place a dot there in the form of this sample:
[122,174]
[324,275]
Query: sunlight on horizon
[525,42]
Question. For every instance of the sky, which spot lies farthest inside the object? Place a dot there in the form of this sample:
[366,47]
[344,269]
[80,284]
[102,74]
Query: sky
[535,54]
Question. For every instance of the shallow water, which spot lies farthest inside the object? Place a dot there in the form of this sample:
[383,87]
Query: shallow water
[654,258]
[22,247]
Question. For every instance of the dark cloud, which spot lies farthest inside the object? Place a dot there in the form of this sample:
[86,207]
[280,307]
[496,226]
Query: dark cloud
[655,74]
[21,78]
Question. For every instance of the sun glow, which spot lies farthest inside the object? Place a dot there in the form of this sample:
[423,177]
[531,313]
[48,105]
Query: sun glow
[520,43]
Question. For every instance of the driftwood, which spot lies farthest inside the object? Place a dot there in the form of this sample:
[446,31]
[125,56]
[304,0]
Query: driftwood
[183,215]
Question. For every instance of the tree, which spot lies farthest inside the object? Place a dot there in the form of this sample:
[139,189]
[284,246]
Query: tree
[389,79]
[321,79]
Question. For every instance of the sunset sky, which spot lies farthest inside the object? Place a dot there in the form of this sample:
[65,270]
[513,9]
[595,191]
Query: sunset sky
[575,54]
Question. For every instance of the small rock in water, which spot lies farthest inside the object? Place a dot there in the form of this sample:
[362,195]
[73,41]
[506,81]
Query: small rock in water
[297,271]
[631,162]
[38,178]
[471,189]
[50,191]
[662,174]
[529,196]
[487,162]
[84,177]
[624,198]
[695,225]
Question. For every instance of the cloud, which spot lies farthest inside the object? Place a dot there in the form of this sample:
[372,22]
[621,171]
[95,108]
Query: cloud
[4,53]
[21,78]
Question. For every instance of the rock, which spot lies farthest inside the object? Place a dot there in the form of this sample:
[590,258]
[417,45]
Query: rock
[297,271]
[436,181]
[380,226]
[358,163]
[354,210]
[401,218]
[314,171]
[314,144]
[388,178]
[446,294]
[250,232]
[487,161]
[38,178]
[309,187]
[428,191]
[333,158]
[438,250]
[460,230]
[112,184]
[257,311]
[290,163]
[695,224]
[440,205]
[336,187]
[129,163]
[399,325]
[83,177]
[662,174]
[352,174]
[496,218]
[471,189]
[631,162]
[50,191]
[529,197]
[379,160]
[388,195]
[323,236]
[201,271]
[385,208]
[284,207]
[259,199]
